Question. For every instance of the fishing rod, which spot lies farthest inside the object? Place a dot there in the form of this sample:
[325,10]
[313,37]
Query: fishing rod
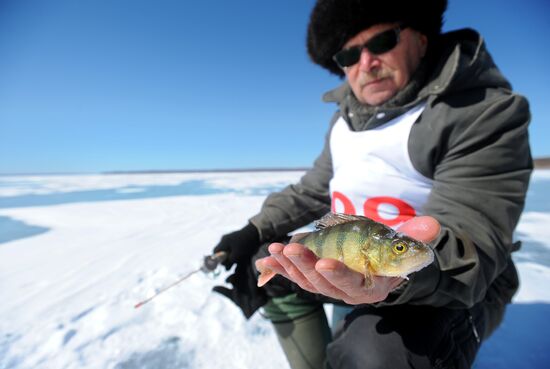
[209,265]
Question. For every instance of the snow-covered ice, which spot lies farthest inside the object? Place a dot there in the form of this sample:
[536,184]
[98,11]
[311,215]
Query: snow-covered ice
[78,252]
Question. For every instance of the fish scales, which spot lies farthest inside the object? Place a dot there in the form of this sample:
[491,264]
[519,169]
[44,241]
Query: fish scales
[330,249]
[342,242]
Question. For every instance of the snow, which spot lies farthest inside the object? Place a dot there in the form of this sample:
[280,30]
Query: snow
[541,174]
[533,227]
[78,252]
[42,185]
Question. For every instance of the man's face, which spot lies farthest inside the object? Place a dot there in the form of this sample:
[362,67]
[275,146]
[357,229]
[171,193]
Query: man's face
[374,79]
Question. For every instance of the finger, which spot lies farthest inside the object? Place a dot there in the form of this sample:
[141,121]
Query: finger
[299,251]
[294,273]
[350,282]
[305,260]
[424,228]
[270,263]
[273,263]
[275,248]
[227,262]
[224,291]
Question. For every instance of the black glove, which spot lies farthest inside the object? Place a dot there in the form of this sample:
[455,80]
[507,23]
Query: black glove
[239,245]
[245,293]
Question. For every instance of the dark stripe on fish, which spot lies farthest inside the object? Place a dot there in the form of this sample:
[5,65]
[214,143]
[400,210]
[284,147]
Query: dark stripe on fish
[340,239]
[319,241]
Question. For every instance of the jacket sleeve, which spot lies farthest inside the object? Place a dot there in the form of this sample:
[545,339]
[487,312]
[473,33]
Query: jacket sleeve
[481,176]
[300,203]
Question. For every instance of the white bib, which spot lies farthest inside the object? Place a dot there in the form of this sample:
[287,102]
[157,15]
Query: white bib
[373,173]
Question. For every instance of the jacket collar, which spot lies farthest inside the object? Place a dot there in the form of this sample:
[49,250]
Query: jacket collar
[459,60]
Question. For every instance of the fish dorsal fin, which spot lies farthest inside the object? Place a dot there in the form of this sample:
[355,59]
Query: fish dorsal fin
[332,219]
[297,237]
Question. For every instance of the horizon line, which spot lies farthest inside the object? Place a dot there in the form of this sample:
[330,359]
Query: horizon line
[164,171]
[539,163]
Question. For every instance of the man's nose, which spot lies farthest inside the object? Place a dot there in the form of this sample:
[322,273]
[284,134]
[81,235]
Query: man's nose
[368,61]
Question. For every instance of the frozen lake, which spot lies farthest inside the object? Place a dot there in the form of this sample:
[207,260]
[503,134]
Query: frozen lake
[77,252]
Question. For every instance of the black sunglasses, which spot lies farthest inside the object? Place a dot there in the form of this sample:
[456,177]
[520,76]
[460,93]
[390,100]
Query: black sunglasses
[379,44]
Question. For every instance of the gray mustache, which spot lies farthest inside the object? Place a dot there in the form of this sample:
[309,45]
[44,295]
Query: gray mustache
[368,77]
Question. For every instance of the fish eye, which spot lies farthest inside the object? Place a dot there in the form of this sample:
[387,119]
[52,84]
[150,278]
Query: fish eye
[399,248]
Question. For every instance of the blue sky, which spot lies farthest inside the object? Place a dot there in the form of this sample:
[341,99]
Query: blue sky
[103,85]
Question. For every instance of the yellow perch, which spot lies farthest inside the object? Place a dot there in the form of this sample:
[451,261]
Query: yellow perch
[366,246]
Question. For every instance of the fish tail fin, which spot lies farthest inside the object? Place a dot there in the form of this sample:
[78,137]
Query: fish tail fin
[265,276]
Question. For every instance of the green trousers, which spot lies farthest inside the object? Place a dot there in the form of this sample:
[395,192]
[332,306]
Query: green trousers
[302,330]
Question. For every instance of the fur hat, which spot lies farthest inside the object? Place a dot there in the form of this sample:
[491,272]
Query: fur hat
[334,22]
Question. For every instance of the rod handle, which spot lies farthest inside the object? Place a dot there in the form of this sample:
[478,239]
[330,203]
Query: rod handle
[211,262]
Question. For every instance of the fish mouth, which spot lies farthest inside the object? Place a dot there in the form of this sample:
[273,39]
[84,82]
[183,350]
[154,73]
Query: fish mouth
[412,265]
[421,262]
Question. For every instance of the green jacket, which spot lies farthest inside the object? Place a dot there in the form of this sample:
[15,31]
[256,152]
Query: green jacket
[472,141]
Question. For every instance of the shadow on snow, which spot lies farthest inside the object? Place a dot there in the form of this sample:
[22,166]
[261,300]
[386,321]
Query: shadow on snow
[166,356]
[12,229]
[521,341]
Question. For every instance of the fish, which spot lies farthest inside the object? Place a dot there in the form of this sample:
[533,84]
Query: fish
[363,245]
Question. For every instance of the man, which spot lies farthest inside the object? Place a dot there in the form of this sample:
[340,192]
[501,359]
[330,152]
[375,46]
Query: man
[427,126]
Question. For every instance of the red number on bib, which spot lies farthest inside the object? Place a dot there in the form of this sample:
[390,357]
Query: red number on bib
[346,203]
[405,211]
[371,208]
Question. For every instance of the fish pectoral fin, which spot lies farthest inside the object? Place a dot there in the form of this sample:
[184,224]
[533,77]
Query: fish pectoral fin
[369,281]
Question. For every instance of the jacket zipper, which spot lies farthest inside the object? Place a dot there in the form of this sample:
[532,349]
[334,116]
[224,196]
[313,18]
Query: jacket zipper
[474,329]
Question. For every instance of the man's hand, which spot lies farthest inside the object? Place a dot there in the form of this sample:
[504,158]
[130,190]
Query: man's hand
[333,278]
[240,246]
